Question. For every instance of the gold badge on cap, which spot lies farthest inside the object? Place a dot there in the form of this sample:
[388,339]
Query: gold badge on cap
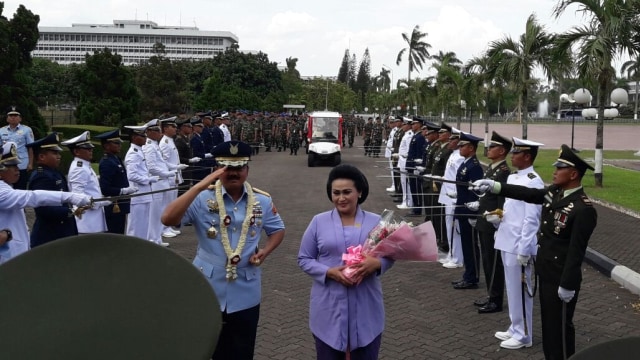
[233,149]
[14,150]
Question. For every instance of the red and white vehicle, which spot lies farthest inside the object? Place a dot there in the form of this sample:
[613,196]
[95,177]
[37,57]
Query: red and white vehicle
[324,137]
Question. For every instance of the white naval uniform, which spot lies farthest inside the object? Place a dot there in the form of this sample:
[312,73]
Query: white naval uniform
[403,151]
[515,236]
[12,203]
[225,132]
[157,167]
[138,176]
[388,150]
[83,180]
[453,228]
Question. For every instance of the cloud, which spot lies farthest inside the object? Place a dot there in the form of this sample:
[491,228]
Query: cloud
[290,22]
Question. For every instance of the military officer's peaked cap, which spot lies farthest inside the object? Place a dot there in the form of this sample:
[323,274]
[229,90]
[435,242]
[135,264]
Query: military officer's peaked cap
[444,128]
[520,145]
[82,141]
[169,121]
[499,140]
[110,136]
[196,121]
[224,115]
[181,122]
[568,158]
[406,120]
[455,133]
[137,130]
[232,153]
[49,142]
[466,138]
[203,114]
[417,120]
[152,125]
[13,111]
[431,127]
[9,154]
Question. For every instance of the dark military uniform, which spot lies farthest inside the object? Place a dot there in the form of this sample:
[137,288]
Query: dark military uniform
[397,138]
[376,138]
[295,134]
[351,130]
[491,259]
[281,134]
[113,178]
[366,134]
[430,199]
[52,222]
[414,157]
[566,226]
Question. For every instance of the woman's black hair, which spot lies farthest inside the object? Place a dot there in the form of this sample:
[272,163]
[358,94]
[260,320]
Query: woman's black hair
[346,171]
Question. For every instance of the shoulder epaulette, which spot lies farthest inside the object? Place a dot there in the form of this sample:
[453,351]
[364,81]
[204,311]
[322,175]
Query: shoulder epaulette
[135,149]
[261,192]
[40,169]
[79,164]
[532,175]
[586,200]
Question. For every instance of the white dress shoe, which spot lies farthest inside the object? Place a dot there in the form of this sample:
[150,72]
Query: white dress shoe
[514,344]
[451,265]
[503,335]
[402,206]
[175,231]
[391,189]
[169,234]
[444,260]
[164,244]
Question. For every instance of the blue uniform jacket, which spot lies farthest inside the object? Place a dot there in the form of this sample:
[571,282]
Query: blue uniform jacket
[469,171]
[218,136]
[113,177]
[198,149]
[52,222]
[207,137]
[416,150]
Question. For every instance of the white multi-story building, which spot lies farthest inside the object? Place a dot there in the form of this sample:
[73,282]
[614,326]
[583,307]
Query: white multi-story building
[131,39]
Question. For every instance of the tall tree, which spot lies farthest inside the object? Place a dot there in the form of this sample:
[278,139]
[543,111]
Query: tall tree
[18,37]
[612,29]
[364,77]
[417,51]
[632,68]
[515,61]
[343,73]
[109,95]
[291,82]
[353,64]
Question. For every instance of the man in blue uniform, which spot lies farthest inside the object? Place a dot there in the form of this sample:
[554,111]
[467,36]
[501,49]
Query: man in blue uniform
[414,158]
[470,170]
[56,221]
[114,182]
[21,135]
[228,218]
[199,150]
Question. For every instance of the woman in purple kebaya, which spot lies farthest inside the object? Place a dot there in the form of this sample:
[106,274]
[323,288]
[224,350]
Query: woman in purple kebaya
[346,314]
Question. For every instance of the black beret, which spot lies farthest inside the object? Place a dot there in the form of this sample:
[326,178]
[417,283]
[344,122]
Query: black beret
[346,171]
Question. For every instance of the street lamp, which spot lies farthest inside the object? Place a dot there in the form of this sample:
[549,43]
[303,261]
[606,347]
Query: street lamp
[390,69]
[580,96]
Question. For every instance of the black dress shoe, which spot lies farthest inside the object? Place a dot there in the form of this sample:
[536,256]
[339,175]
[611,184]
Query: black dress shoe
[481,302]
[457,282]
[463,285]
[397,200]
[491,307]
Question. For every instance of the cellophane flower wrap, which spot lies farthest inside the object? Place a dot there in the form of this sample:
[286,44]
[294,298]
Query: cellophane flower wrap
[395,239]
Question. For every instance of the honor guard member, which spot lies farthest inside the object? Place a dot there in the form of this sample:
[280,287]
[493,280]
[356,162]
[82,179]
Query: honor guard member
[516,239]
[394,125]
[207,134]
[448,227]
[228,218]
[185,153]
[21,135]
[13,202]
[403,151]
[172,158]
[216,132]
[139,176]
[568,220]
[414,158]
[429,198]
[366,136]
[377,132]
[470,170]
[83,180]
[199,150]
[439,168]
[55,221]
[397,138]
[224,126]
[498,171]
[114,181]
[157,167]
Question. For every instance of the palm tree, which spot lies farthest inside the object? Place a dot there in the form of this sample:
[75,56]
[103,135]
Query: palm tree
[417,50]
[632,68]
[612,29]
[516,61]
[449,58]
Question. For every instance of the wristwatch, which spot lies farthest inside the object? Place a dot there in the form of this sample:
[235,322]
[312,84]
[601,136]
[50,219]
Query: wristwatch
[9,234]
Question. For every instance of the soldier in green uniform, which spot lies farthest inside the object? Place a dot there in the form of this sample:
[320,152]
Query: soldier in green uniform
[376,137]
[267,131]
[351,130]
[366,136]
[295,137]
[281,129]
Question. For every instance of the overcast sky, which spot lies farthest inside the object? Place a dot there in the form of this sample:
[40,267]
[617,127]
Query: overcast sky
[317,33]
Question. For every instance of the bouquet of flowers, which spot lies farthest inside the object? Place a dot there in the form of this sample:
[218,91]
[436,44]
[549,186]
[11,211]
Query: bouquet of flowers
[395,239]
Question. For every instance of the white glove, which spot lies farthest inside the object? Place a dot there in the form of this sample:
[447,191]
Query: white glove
[482,185]
[182,166]
[566,295]
[435,177]
[395,156]
[418,161]
[420,168]
[128,190]
[494,219]
[473,222]
[99,204]
[473,206]
[524,260]
[78,200]
[192,161]
[208,155]
[416,172]
[452,194]
[172,174]
[154,179]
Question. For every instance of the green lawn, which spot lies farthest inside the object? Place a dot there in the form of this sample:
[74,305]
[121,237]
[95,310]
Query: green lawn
[618,183]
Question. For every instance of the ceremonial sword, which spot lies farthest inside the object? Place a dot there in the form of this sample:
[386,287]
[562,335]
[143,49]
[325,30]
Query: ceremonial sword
[129,196]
